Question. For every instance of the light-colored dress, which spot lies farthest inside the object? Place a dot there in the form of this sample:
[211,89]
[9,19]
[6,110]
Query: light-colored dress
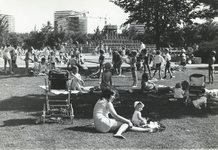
[102,121]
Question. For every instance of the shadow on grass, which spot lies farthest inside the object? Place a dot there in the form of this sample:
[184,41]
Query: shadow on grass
[83,129]
[28,103]
[19,73]
[157,106]
[18,122]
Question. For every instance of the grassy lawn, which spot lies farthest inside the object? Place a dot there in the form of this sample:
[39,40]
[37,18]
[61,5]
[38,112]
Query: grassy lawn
[21,104]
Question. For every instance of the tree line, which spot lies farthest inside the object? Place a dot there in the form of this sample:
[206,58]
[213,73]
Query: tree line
[166,23]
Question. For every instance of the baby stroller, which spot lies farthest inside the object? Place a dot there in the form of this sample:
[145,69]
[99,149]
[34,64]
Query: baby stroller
[56,110]
[197,90]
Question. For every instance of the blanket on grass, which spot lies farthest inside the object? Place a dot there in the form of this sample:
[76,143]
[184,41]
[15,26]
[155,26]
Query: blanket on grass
[57,92]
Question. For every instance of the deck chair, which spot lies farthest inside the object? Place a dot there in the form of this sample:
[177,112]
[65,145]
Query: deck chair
[197,90]
[57,109]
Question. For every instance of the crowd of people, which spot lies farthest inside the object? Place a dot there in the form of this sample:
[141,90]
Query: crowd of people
[104,106]
[46,59]
[38,61]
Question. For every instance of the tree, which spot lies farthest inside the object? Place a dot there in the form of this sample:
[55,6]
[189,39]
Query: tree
[97,36]
[163,15]
[15,39]
[130,32]
[47,33]
[3,30]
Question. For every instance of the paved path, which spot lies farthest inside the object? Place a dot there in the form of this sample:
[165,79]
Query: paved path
[92,61]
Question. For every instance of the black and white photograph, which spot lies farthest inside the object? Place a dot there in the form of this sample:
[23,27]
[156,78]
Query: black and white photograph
[108,74]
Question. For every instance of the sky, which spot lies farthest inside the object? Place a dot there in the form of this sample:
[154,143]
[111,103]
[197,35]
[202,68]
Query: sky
[36,13]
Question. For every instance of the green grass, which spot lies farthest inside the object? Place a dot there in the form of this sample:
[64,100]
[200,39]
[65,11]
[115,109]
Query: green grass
[21,104]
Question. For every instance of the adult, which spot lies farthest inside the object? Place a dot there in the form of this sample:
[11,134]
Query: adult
[28,58]
[13,53]
[147,58]
[7,58]
[168,64]
[117,62]
[103,123]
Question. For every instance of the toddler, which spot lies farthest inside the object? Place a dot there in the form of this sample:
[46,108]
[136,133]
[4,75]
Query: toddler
[178,91]
[137,118]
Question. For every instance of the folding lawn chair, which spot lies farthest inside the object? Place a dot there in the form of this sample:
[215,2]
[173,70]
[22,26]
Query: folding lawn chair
[197,89]
[57,109]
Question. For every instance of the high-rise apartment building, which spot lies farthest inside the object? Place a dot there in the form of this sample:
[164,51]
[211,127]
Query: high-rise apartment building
[10,22]
[69,20]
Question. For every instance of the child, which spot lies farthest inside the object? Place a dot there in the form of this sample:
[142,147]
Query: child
[72,62]
[36,64]
[158,60]
[137,118]
[43,68]
[76,80]
[101,61]
[146,60]
[133,67]
[178,91]
[148,86]
[211,62]
[52,60]
[168,64]
[106,79]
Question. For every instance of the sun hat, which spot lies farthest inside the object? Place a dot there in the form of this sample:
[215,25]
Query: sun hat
[138,102]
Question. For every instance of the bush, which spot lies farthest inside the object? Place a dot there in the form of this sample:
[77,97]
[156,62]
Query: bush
[204,50]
